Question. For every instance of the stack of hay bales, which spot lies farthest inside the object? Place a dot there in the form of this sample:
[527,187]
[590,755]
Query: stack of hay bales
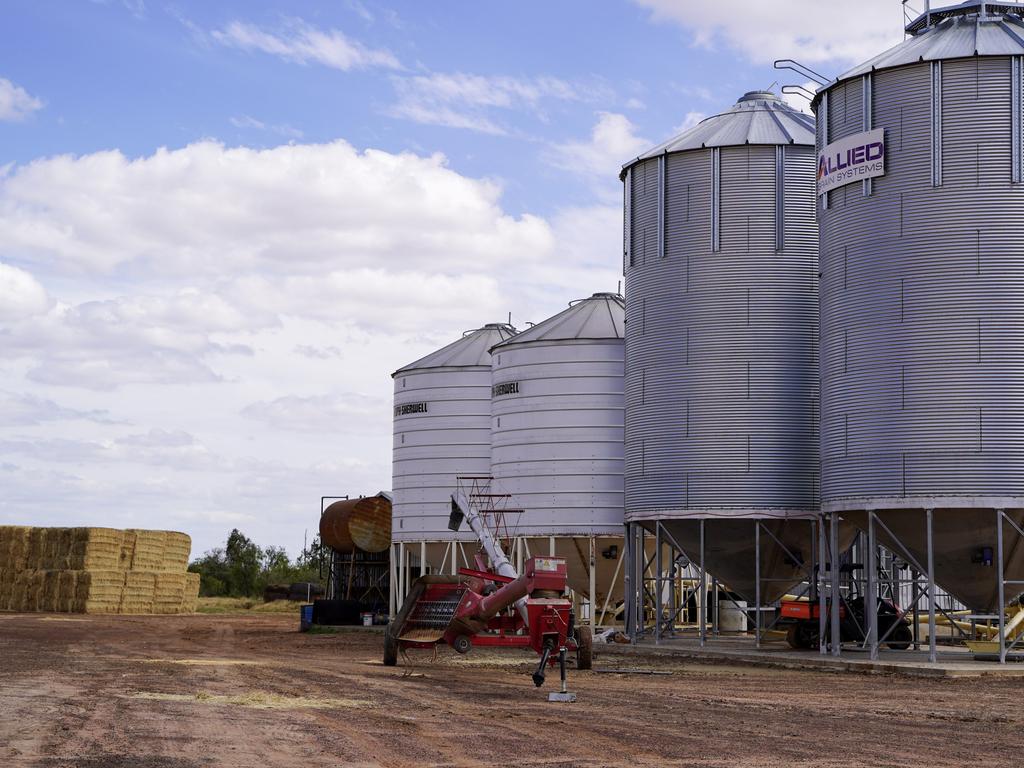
[95,570]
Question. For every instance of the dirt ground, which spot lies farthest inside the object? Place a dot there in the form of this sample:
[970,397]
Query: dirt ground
[223,690]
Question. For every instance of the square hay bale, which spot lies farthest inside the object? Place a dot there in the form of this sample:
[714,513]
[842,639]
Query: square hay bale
[30,585]
[190,598]
[99,591]
[36,548]
[68,590]
[149,550]
[169,591]
[94,549]
[127,550]
[50,553]
[139,592]
[65,545]
[177,548]
[6,585]
[49,597]
[17,548]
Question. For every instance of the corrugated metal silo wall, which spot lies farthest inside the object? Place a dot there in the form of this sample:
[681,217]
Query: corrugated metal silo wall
[558,438]
[923,292]
[451,438]
[721,345]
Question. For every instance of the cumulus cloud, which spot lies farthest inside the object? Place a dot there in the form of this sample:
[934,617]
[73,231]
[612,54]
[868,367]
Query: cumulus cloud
[211,209]
[303,43]
[691,119]
[243,310]
[807,30]
[132,339]
[21,295]
[612,142]
[461,100]
[16,103]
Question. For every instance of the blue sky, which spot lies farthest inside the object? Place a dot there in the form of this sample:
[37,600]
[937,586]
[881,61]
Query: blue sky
[222,225]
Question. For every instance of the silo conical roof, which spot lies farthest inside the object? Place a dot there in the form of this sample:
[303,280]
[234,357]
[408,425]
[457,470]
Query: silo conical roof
[472,350]
[955,32]
[759,117]
[602,316]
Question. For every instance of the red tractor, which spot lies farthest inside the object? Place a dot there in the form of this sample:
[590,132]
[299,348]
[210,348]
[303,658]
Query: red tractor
[492,606]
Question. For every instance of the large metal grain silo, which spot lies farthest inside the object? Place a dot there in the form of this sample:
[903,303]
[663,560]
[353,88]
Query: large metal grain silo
[557,413]
[442,430]
[721,267]
[921,213]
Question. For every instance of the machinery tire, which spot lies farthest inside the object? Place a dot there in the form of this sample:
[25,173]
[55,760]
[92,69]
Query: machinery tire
[584,648]
[390,647]
[900,639]
[462,644]
[793,636]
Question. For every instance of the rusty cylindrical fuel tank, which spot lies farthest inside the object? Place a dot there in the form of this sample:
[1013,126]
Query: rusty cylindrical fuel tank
[362,524]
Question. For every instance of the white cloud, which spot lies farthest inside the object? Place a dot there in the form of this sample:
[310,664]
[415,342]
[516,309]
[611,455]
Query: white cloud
[21,295]
[689,121]
[211,210]
[613,141]
[303,43]
[26,409]
[460,100]
[135,339]
[810,31]
[228,303]
[16,103]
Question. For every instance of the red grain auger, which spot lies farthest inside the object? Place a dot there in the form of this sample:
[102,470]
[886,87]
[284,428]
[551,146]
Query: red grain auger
[492,605]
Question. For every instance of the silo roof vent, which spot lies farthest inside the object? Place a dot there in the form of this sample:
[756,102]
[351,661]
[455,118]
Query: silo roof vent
[471,351]
[758,117]
[602,316]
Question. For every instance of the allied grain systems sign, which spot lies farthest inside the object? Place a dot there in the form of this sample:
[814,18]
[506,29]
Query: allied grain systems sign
[854,158]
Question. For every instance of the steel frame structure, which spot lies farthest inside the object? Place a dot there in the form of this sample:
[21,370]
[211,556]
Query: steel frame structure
[640,599]
[646,611]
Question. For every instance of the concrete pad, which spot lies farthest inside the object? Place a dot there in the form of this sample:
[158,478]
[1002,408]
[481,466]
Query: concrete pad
[951,662]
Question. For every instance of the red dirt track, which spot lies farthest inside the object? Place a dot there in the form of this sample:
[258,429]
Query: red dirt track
[169,692]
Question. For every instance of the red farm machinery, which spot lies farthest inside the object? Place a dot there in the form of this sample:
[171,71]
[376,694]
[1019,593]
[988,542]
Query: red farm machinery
[492,605]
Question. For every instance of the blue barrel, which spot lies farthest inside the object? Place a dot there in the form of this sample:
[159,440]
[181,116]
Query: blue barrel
[305,617]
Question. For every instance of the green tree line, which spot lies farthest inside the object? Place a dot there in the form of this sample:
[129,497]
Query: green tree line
[244,569]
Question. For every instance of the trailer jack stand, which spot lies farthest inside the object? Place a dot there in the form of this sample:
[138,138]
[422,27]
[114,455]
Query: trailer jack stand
[564,694]
[538,676]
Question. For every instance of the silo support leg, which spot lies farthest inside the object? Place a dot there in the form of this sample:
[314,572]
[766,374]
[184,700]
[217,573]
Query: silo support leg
[871,598]
[392,584]
[932,655]
[824,558]
[703,590]
[592,595]
[1001,587]
[757,584]
[658,581]
[834,610]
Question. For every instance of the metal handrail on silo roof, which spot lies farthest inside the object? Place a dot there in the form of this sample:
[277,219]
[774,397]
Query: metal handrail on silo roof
[963,31]
[933,16]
